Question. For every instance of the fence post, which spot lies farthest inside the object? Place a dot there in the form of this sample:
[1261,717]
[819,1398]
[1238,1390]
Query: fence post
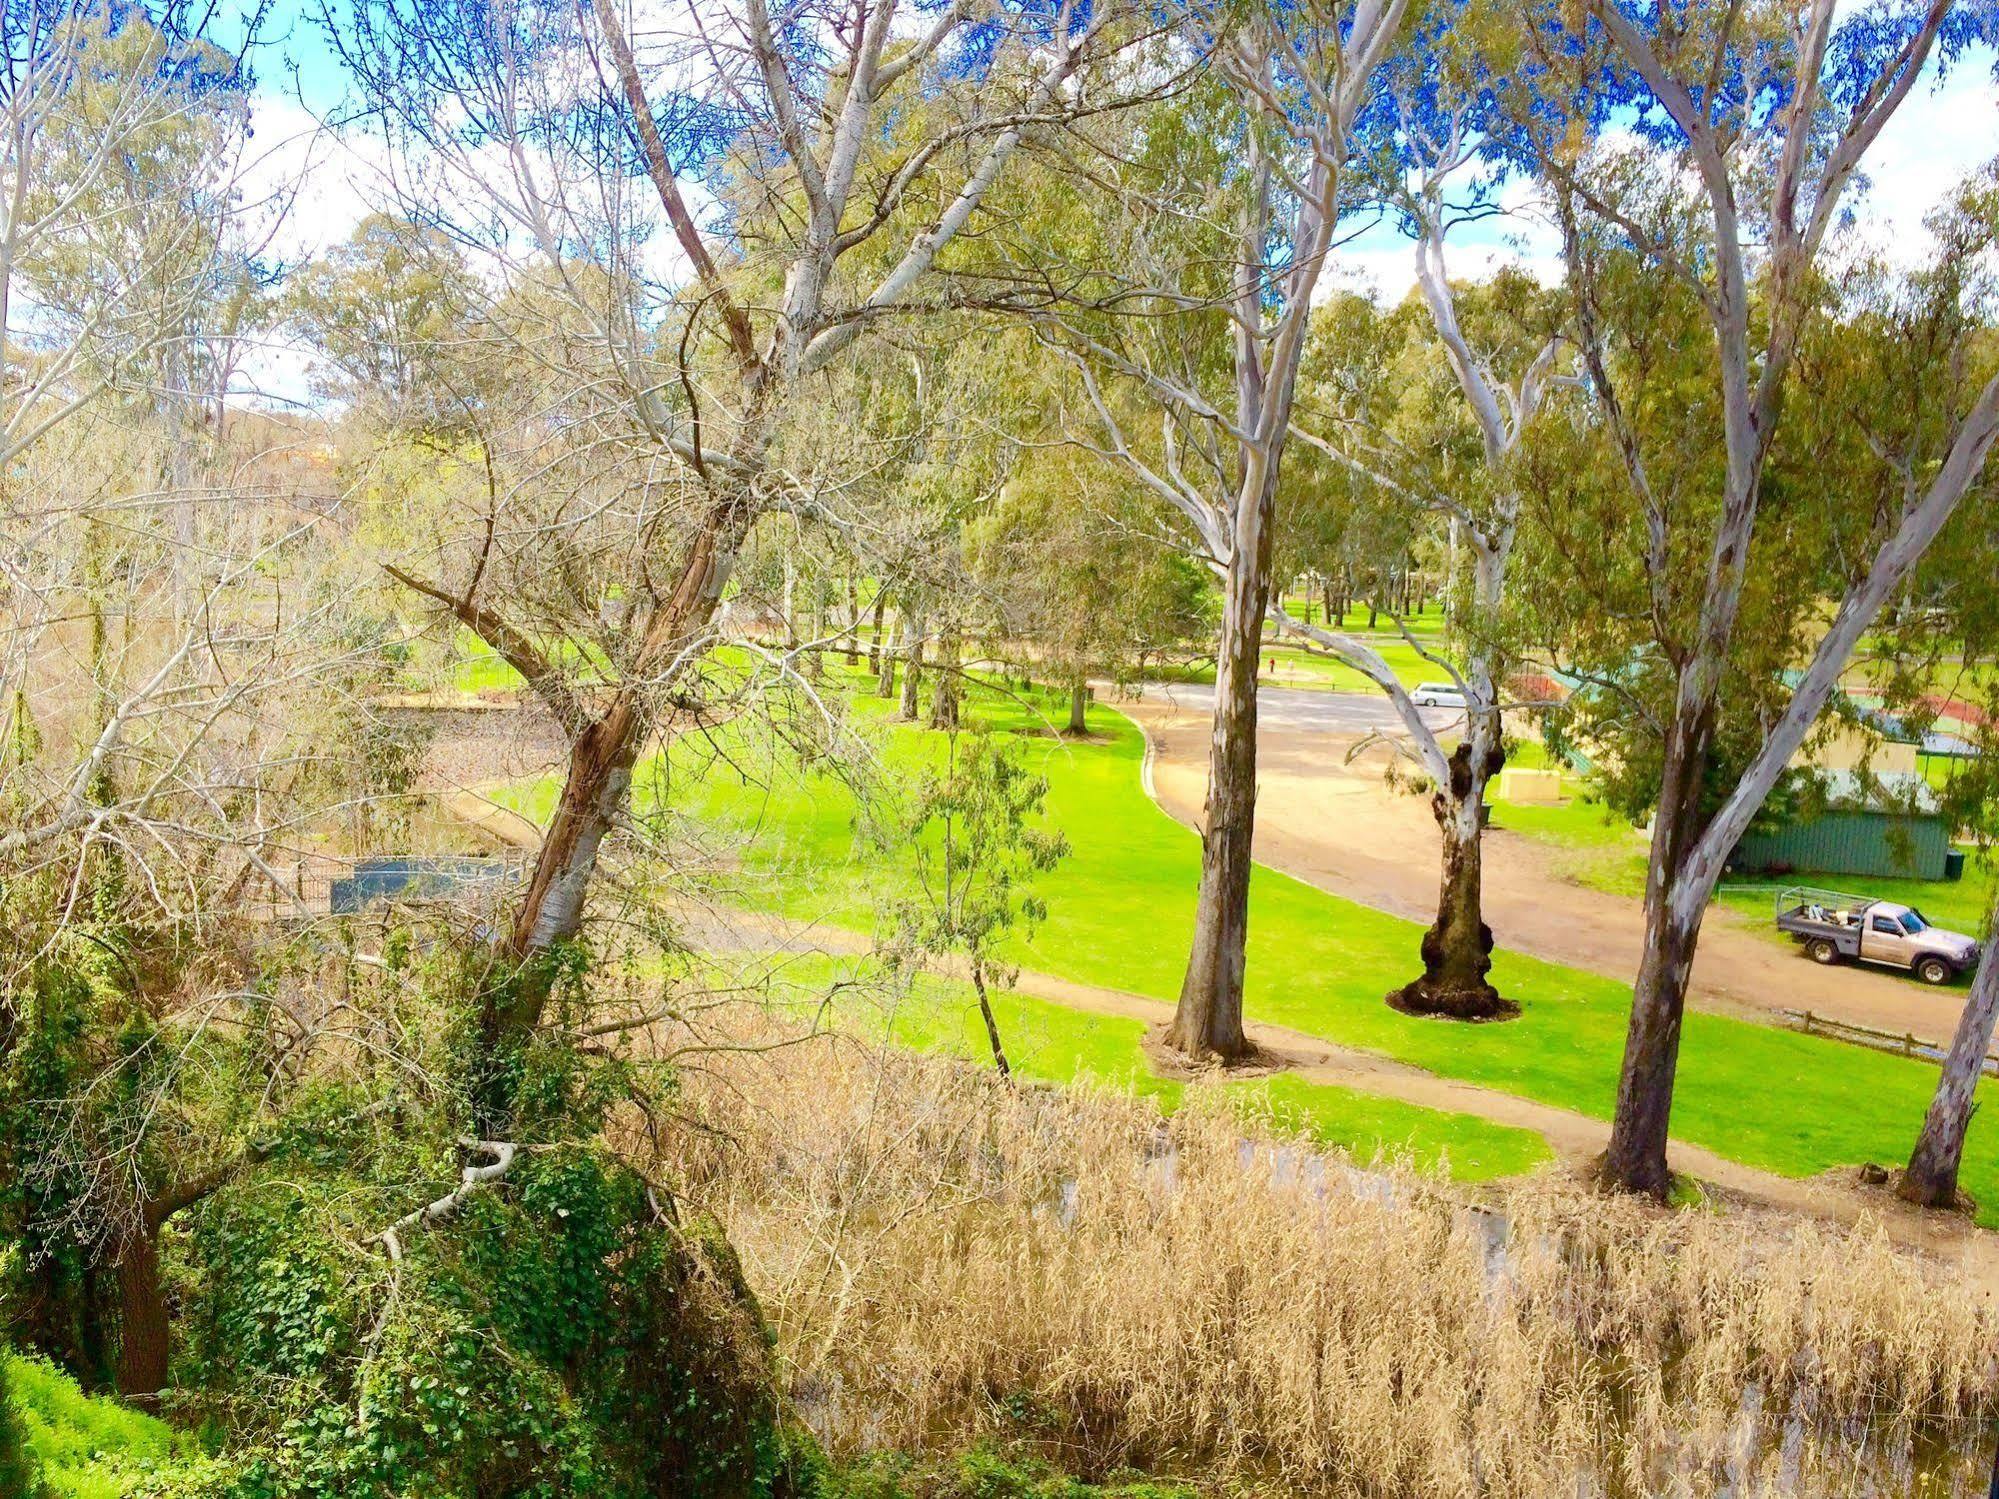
[1908,1043]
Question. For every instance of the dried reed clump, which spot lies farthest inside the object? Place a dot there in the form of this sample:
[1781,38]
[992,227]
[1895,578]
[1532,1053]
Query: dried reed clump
[942,1258]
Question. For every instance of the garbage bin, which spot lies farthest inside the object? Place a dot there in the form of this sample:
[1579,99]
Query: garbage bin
[1953,864]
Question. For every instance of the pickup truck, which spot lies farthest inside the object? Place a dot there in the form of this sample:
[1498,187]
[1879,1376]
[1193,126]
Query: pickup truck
[1832,926]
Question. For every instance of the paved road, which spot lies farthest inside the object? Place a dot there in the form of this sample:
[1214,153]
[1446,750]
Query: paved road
[1305,709]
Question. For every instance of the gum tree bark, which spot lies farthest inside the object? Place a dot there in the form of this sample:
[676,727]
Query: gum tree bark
[1456,949]
[913,628]
[944,691]
[1329,54]
[818,136]
[1931,1178]
[1755,357]
[1207,1022]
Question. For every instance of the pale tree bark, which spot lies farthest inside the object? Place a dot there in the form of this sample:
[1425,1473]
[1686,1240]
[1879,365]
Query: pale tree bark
[1931,1177]
[913,630]
[1456,949]
[944,689]
[1687,854]
[876,652]
[821,146]
[1329,56]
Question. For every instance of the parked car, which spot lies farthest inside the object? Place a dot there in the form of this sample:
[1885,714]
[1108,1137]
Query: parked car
[1832,927]
[1438,695]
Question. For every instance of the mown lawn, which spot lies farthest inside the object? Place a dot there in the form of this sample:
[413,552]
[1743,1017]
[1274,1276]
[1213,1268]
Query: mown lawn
[1120,914]
[1052,1043]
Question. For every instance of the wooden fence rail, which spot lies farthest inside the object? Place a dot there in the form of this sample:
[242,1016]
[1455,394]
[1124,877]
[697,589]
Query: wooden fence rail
[1905,1044]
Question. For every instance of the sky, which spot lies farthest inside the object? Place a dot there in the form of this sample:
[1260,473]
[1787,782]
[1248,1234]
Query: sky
[1937,138]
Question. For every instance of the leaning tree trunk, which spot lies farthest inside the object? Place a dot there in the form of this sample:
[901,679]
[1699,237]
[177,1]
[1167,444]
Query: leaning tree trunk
[1208,1019]
[142,1318]
[1931,1178]
[594,793]
[1079,708]
[1636,1159]
[1457,949]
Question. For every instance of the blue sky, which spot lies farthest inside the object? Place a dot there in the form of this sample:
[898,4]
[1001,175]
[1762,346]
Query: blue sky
[1938,137]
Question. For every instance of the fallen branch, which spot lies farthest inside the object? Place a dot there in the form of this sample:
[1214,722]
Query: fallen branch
[471,1179]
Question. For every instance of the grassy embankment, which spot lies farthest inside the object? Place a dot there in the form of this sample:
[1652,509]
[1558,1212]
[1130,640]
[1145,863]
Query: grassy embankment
[90,1447]
[1120,912]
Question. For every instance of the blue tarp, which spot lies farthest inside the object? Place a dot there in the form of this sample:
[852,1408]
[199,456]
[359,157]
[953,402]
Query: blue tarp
[406,878]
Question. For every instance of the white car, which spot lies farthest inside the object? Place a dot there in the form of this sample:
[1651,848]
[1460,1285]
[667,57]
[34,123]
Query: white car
[1438,695]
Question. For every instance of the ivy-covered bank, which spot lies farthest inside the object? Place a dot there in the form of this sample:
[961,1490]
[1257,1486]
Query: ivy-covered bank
[346,1247]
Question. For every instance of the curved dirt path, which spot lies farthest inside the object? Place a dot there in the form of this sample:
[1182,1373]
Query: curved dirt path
[1576,1139]
[1336,826]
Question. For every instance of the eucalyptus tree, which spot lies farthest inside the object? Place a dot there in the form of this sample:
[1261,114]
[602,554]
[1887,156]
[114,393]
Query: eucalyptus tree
[1193,323]
[120,151]
[1072,559]
[1437,166]
[723,202]
[1375,417]
[1723,208]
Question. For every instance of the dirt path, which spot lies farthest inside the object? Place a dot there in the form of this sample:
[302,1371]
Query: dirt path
[1336,826]
[1575,1138]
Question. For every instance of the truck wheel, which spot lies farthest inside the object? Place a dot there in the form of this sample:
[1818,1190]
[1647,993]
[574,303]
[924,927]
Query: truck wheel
[1822,950]
[1935,971]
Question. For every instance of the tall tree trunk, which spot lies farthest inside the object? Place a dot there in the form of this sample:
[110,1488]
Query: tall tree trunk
[1457,949]
[1636,1159]
[877,651]
[1208,1019]
[912,666]
[1079,707]
[944,691]
[142,1318]
[1931,1178]
[853,645]
[815,659]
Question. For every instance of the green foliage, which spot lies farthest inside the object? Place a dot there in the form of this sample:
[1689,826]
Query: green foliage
[557,1334]
[975,839]
[19,1472]
[985,1472]
[91,1447]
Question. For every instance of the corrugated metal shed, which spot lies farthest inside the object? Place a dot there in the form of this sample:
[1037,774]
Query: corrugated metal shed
[1898,845]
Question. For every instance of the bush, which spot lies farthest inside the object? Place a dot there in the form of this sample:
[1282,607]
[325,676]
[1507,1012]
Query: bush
[18,1473]
[87,1446]
[558,1335]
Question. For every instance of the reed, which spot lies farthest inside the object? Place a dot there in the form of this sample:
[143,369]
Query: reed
[945,1259]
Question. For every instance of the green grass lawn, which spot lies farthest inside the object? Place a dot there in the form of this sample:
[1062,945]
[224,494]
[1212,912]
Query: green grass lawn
[1296,666]
[1120,914]
[1052,1043]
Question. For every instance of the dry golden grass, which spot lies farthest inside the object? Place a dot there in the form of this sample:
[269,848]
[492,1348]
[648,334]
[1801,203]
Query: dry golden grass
[944,1259]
